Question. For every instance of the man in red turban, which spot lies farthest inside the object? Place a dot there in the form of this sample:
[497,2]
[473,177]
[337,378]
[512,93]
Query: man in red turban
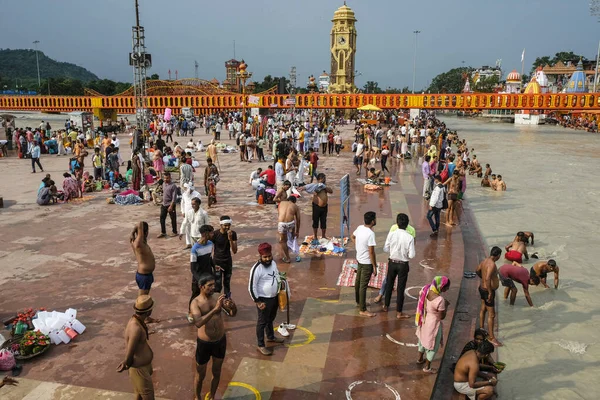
[264,287]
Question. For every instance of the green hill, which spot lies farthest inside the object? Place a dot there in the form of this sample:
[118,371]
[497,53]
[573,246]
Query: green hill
[22,64]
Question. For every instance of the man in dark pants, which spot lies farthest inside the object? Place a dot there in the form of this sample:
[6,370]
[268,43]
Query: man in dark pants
[201,262]
[225,241]
[168,206]
[436,202]
[364,242]
[401,246]
[263,286]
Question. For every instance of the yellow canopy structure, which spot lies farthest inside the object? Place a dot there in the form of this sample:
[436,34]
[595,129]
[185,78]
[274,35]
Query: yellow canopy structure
[369,107]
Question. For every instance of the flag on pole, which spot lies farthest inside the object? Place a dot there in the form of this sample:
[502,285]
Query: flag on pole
[523,56]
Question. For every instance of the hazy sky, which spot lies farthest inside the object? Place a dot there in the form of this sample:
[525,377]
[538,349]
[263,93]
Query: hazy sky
[273,35]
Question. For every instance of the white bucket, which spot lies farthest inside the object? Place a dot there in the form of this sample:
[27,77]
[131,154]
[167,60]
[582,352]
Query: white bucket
[77,326]
[71,314]
[63,336]
[55,338]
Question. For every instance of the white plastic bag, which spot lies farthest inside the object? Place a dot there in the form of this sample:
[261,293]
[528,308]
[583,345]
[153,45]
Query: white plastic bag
[292,244]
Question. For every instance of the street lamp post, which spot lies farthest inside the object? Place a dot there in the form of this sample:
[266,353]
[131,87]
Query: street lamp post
[244,76]
[595,11]
[37,60]
[415,60]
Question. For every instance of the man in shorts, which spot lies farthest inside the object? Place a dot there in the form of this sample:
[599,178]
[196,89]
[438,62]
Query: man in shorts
[288,224]
[138,359]
[319,209]
[211,341]
[509,273]
[144,276]
[467,372]
[488,273]
[541,270]
[359,155]
[517,249]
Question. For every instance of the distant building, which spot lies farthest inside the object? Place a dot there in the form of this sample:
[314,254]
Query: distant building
[324,82]
[343,51]
[232,81]
[560,73]
[486,72]
[513,82]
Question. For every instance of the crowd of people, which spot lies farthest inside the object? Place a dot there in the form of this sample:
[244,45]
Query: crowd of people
[295,145]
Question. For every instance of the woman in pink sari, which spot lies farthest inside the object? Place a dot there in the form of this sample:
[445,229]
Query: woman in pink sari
[71,187]
[431,310]
[158,163]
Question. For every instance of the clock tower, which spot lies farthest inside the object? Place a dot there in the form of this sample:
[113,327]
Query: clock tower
[343,51]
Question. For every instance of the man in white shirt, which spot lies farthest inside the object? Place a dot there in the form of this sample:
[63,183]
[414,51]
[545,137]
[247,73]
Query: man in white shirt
[279,172]
[254,175]
[193,219]
[263,286]
[436,202]
[230,129]
[401,246]
[358,156]
[337,139]
[364,242]
[188,194]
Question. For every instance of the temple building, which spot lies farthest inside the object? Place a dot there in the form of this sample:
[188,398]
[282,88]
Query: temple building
[560,73]
[343,51]
[542,79]
[324,82]
[513,82]
[578,82]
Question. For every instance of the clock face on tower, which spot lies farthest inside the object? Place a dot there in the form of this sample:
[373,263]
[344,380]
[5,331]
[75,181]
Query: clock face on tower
[342,41]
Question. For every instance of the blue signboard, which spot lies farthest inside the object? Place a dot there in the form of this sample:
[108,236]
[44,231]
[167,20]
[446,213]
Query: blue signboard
[344,206]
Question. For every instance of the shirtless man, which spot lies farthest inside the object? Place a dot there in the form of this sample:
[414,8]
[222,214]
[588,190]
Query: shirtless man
[493,182]
[542,268]
[138,358]
[288,222]
[526,236]
[453,185]
[282,192]
[211,340]
[516,249]
[467,372]
[144,276]
[500,184]
[485,182]
[488,273]
[319,209]
[488,170]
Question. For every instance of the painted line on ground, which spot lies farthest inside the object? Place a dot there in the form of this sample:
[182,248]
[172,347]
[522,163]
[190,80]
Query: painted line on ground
[356,383]
[309,339]
[424,264]
[406,292]
[391,339]
[251,388]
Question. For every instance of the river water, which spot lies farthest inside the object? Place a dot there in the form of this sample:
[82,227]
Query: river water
[552,350]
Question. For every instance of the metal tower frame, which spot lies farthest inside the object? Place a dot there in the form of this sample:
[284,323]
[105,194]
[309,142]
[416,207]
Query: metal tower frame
[140,61]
